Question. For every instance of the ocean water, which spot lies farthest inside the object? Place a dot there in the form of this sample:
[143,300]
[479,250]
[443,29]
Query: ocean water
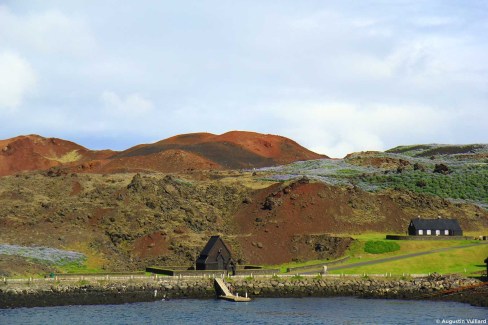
[259,311]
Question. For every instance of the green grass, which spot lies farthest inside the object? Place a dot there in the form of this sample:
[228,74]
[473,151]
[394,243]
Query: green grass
[296,278]
[283,267]
[462,260]
[380,247]
[76,267]
[357,252]
[348,172]
[406,246]
[454,261]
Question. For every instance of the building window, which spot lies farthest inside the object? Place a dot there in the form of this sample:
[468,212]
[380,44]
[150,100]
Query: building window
[446,232]
[437,232]
[429,232]
[421,232]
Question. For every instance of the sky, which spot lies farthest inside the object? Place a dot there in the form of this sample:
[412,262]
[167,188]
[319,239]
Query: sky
[335,76]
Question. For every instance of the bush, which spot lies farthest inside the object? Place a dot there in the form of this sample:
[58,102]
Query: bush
[380,247]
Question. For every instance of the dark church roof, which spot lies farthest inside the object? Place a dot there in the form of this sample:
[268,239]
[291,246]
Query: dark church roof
[207,250]
[449,224]
[210,244]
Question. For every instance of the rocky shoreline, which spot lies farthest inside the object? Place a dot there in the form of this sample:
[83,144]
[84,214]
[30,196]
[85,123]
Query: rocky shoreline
[117,292]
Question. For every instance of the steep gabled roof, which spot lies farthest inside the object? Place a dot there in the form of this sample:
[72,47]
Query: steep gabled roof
[210,244]
[450,224]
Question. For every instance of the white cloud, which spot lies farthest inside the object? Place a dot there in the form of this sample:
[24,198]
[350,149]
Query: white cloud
[347,77]
[17,80]
[133,104]
[434,21]
[49,31]
[337,129]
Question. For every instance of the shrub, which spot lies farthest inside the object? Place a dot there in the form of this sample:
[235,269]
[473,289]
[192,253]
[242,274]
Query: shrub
[380,247]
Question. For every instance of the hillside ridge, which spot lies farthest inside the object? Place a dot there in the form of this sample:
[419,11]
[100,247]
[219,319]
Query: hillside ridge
[180,153]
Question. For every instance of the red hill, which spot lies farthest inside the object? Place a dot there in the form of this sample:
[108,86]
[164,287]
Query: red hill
[195,151]
[33,152]
[232,150]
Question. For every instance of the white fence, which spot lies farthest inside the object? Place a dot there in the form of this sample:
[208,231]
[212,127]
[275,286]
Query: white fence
[88,278]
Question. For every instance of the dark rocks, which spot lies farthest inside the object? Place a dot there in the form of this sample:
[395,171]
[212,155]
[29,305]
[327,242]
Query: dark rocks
[419,167]
[136,184]
[270,203]
[56,172]
[421,183]
[304,180]
[320,247]
[247,200]
[441,169]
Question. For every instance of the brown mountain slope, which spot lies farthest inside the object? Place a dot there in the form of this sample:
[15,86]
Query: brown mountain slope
[182,153]
[169,161]
[122,221]
[232,150]
[33,152]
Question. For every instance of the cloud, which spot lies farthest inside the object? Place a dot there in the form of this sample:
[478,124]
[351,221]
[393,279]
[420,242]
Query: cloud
[49,31]
[434,21]
[133,104]
[336,77]
[337,129]
[17,80]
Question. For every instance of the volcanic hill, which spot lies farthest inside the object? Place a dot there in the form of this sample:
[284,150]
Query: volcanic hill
[33,152]
[187,152]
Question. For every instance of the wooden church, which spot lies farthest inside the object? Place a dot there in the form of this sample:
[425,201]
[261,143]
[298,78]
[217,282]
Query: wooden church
[216,256]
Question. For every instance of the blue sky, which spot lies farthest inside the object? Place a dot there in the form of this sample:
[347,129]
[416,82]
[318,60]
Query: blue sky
[336,76]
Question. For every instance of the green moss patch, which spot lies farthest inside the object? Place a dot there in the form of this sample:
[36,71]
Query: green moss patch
[380,247]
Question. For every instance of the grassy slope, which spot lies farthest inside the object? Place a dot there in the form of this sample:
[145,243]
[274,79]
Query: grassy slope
[463,260]
[455,261]
[463,183]
[467,179]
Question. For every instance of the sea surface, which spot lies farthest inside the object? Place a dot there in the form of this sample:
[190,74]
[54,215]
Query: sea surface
[259,311]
